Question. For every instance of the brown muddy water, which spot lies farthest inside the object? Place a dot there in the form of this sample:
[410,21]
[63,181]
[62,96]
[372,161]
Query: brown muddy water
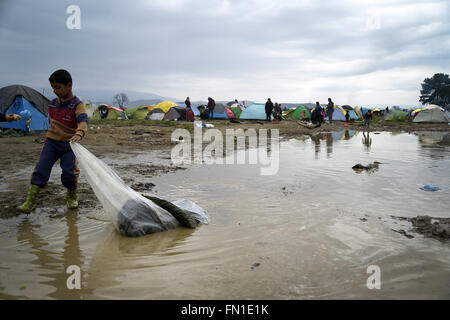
[309,232]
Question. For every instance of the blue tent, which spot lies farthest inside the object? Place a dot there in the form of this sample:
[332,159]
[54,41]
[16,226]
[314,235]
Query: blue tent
[338,114]
[220,112]
[353,115]
[17,98]
[254,112]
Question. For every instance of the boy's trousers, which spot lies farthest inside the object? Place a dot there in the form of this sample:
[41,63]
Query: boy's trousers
[52,151]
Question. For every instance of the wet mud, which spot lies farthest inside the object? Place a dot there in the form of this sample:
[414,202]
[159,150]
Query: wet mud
[20,154]
[429,227]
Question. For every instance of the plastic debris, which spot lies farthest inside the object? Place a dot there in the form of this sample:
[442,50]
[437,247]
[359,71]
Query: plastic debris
[429,188]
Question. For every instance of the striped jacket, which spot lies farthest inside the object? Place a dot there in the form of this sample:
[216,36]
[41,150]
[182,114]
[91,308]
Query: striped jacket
[67,119]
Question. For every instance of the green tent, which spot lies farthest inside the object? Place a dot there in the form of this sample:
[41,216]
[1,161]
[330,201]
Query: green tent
[237,111]
[113,113]
[396,115]
[137,112]
[299,113]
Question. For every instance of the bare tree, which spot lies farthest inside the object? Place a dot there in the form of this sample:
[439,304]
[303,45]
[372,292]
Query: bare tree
[121,99]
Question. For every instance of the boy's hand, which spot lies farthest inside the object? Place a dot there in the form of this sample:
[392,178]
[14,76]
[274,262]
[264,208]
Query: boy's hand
[75,138]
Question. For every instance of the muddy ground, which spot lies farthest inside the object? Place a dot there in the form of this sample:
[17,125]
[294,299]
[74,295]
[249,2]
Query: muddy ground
[121,138]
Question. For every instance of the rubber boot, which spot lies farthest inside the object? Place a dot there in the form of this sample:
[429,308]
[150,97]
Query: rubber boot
[31,199]
[72,199]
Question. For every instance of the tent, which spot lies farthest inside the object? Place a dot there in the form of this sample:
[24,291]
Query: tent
[237,110]
[347,107]
[358,111]
[255,111]
[18,98]
[220,111]
[396,115]
[298,113]
[352,112]
[137,112]
[230,113]
[156,114]
[431,106]
[165,106]
[109,113]
[339,114]
[172,114]
[353,115]
[432,114]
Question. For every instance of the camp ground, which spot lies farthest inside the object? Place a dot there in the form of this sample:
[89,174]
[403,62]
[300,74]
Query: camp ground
[18,98]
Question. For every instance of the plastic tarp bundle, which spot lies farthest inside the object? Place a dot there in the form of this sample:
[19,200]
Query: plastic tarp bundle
[132,214]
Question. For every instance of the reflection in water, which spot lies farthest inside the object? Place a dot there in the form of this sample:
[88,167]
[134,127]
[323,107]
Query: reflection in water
[433,143]
[49,261]
[329,137]
[367,140]
[117,253]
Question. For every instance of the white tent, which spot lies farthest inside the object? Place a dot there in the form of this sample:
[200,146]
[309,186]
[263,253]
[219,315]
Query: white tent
[432,113]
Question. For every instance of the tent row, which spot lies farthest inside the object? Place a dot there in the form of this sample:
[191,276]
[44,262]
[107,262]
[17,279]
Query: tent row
[18,98]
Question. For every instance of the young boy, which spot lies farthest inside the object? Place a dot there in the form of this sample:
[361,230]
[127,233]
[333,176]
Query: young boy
[68,122]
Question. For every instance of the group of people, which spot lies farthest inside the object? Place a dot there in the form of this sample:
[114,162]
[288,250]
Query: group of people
[273,110]
[205,113]
[317,116]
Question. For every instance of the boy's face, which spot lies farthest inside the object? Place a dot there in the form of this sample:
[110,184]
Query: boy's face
[62,91]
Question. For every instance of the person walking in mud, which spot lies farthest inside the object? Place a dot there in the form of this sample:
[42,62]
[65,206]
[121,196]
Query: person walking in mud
[330,110]
[211,105]
[367,118]
[269,108]
[68,123]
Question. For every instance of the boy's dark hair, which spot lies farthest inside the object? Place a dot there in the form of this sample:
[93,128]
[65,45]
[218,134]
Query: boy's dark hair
[61,76]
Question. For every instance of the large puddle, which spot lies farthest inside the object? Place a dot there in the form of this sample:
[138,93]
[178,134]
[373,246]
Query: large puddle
[310,231]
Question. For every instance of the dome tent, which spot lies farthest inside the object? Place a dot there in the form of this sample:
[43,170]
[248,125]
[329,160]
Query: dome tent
[298,113]
[155,114]
[18,98]
[254,112]
[107,112]
[339,114]
[432,113]
[140,112]
[165,106]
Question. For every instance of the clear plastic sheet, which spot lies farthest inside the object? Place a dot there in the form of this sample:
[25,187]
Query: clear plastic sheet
[132,214]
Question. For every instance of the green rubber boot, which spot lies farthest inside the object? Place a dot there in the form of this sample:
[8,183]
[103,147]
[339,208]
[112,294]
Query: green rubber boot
[31,199]
[72,199]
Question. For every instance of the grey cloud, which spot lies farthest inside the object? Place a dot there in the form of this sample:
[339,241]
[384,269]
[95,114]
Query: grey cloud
[122,44]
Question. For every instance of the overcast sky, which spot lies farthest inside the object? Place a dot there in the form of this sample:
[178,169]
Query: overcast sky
[356,52]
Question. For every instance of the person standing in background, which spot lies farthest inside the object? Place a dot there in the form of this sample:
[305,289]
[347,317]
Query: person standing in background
[269,108]
[330,110]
